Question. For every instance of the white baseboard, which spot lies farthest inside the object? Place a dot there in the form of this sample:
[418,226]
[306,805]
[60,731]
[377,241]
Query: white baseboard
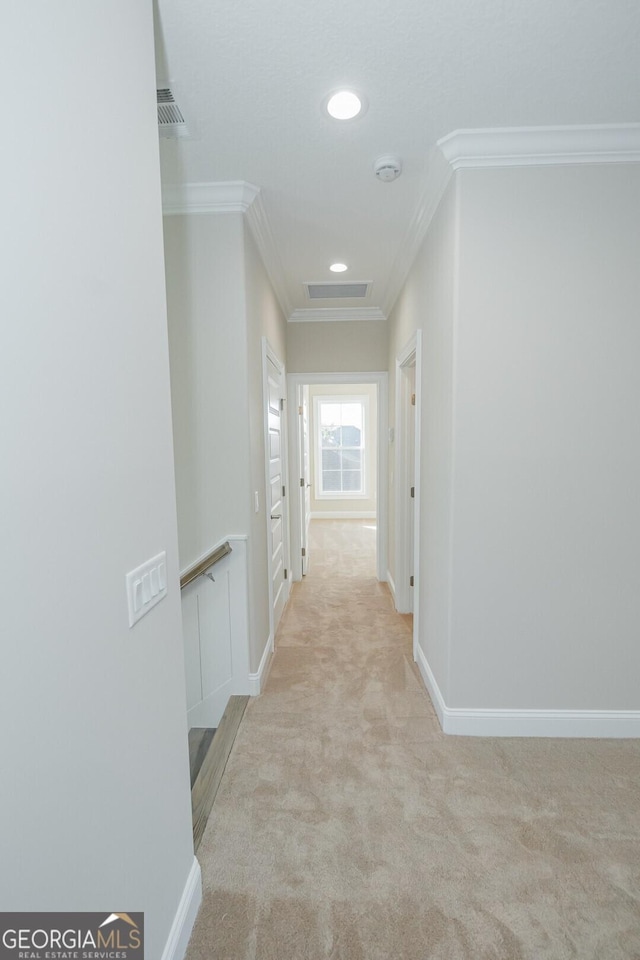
[432,686]
[343,515]
[392,587]
[178,939]
[397,602]
[587,724]
[256,680]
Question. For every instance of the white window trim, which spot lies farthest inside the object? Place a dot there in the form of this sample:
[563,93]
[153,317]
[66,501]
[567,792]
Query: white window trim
[317,442]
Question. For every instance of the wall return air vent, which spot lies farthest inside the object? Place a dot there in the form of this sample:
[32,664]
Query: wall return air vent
[337,291]
[171,120]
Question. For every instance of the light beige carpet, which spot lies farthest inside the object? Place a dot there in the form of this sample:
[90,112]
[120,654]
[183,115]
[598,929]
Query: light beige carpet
[347,826]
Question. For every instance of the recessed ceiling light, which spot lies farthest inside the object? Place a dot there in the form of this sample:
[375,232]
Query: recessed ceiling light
[338,267]
[344,105]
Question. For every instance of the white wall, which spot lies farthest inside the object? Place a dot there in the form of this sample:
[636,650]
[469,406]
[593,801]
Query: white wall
[220,304]
[427,302]
[209,385]
[546,598]
[368,504]
[96,805]
[527,291]
[337,347]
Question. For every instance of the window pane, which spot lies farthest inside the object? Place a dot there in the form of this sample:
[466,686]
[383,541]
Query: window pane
[331,436]
[331,481]
[330,414]
[351,415]
[351,437]
[352,459]
[330,460]
[351,481]
[340,434]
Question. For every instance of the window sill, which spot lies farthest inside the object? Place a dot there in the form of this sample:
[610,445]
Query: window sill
[341,496]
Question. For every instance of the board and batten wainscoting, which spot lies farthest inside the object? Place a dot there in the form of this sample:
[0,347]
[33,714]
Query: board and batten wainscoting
[215,621]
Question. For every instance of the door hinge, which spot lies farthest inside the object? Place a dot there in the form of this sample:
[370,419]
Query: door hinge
[413,399]
[286,574]
[304,552]
[300,411]
[410,581]
[302,481]
[282,403]
[413,492]
[284,491]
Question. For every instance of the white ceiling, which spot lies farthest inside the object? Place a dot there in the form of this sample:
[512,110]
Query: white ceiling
[251,76]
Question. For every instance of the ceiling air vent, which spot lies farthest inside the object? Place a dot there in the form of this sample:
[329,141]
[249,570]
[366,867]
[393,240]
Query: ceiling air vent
[337,291]
[171,121]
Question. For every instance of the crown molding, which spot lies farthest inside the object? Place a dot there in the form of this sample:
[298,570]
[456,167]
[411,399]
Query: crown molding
[323,314]
[233,196]
[439,173]
[263,236]
[506,147]
[533,146]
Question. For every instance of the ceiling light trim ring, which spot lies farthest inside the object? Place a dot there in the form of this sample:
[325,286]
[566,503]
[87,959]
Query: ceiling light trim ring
[353,91]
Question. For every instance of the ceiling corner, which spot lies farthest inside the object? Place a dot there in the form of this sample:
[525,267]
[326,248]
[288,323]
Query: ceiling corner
[231,196]
[263,236]
[335,314]
[439,172]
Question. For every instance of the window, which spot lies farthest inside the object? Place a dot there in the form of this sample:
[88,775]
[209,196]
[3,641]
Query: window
[340,429]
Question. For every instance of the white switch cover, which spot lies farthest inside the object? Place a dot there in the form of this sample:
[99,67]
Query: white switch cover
[141,584]
[256,502]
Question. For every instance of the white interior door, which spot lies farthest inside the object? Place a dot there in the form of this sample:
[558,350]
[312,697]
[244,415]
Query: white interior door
[407,475]
[411,471]
[407,483]
[305,477]
[276,499]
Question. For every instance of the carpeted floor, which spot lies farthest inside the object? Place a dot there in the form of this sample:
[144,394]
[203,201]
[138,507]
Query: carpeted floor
[347,826]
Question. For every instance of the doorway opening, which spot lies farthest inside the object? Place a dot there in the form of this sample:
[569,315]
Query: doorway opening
[338,465]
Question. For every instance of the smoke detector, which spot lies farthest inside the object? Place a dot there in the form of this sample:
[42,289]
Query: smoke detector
[387,168]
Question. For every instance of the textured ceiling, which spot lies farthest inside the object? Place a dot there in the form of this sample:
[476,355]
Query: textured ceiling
[252,74]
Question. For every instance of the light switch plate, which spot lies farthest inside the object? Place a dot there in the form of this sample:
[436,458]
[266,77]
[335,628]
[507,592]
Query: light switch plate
[146,586]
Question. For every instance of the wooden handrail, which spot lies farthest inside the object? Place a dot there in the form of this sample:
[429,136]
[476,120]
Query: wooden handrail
[203,565]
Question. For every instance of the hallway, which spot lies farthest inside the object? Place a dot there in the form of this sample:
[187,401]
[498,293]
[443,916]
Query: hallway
[347,826]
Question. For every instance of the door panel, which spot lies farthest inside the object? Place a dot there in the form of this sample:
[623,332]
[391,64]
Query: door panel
[276,535]
[276,493]
[274,446]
